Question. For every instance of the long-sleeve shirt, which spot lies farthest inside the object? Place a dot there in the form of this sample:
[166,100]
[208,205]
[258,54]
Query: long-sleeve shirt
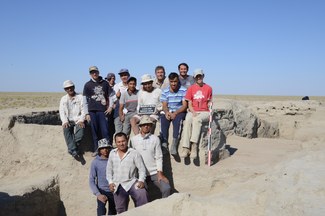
[150,149]
[97,175]
[97,95]
[124,171]
[72,109]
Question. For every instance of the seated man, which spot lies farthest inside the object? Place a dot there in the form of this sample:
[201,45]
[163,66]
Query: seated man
[128,105]
[174,108]
[72,114]
[126,174]
[198,96]
[148,145]
[148,103]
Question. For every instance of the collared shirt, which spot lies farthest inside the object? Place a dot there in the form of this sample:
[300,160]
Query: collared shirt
[72,108]
[157,84]
[174,99]
[150,149]
[124,171]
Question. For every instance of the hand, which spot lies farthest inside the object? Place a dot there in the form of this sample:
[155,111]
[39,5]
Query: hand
[108,111]
[112,187]
[167,115]
[162,177]
[88,118]
[122,118]
[102,198]
[173,115]
[66,125]
[140,184]
[81,124]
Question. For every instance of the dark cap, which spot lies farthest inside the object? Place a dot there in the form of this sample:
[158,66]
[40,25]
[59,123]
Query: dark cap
[123,70]
[109,76]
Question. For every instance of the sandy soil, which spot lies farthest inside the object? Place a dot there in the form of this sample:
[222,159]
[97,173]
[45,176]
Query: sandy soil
[283,176]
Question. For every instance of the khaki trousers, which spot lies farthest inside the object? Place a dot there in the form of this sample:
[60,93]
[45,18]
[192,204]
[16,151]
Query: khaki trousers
[192,128]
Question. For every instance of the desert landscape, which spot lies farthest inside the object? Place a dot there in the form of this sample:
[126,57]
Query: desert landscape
[275,167]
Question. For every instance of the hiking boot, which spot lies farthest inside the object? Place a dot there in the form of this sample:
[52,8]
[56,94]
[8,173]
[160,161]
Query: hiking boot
[193,151]
[173,148]
[185,152]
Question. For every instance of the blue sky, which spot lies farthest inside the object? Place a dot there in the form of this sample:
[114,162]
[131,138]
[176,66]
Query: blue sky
[245,47]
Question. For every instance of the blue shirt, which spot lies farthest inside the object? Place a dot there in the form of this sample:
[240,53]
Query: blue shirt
[174,99]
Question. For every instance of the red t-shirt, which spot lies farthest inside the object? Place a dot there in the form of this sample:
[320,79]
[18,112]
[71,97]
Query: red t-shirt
[199,96]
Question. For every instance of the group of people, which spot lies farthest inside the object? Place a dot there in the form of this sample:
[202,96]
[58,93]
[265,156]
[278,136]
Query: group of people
[113,110]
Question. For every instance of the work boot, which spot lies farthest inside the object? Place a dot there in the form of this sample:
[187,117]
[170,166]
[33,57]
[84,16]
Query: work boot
[193,151]
[173,148]
[185,152]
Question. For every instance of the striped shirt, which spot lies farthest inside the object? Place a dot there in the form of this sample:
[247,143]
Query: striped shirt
[150,150]
[174,99]
[124,171]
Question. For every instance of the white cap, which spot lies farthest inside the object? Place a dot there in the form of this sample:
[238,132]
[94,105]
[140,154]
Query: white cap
[67,83]
[198,72]
[146,78]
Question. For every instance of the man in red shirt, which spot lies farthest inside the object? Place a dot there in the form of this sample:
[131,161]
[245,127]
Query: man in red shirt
[199,96]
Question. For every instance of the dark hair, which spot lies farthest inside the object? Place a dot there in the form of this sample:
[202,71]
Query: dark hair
[132,79]
[173,75]
[184,64]
[120,134]
[160,67]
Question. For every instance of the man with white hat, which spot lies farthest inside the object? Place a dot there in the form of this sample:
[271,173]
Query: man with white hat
[199,96]
[148,145]
[72,114]
[148,103]
[98,182]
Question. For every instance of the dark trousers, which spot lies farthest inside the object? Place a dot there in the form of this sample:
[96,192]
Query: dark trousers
[101,207]
[99,127]
[121,198]
[165,123]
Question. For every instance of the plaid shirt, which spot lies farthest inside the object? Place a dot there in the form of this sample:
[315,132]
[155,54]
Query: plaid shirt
[124,171]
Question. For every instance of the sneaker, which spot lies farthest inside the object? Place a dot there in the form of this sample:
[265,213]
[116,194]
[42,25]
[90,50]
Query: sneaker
[194,151]
[185,152]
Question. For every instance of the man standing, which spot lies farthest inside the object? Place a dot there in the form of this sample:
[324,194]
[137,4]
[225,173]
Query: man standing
[123,167]
[72,115]
[98,182]
[119,88]
[185,80]
[174,107]
[128,105]
[160,80]
[96,91]
[110,78]
[198,96]
[148,145]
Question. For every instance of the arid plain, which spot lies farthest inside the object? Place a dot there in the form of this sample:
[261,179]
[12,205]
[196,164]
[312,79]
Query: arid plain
[264,176]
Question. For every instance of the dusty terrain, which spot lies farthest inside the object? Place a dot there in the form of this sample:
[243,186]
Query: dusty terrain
[282,176]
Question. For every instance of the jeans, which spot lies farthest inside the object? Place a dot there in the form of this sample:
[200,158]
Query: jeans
[121,198]
[165,123]
[101,207]
[73,136]
[99,127]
